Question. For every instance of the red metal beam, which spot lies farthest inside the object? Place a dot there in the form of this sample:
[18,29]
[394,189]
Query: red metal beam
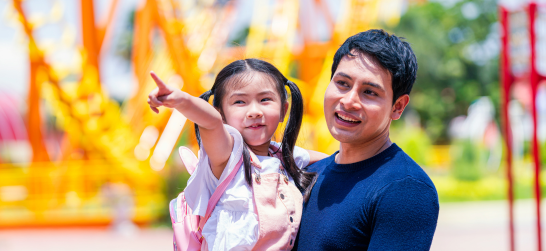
[534,80]
[506,82]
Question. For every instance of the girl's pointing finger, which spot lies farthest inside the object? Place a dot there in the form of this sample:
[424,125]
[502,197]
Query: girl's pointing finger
[160,84]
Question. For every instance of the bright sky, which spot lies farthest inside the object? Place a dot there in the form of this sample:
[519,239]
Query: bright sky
[116,74]
[13,46]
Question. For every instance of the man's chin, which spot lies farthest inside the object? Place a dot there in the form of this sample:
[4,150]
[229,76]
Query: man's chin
[344,136]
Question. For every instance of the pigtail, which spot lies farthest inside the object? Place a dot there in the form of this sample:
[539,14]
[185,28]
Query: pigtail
[303,180]
[247,164]
[205,96]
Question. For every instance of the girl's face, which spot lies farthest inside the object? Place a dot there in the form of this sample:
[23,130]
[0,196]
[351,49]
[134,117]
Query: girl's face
[254,109]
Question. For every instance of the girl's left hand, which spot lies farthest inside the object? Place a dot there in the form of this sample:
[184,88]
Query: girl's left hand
[164,95]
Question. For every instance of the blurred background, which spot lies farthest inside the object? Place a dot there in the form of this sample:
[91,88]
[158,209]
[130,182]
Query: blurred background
[86,165]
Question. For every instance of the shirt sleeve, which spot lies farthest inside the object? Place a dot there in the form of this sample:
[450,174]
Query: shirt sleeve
[301,156]
[202,183]
[405,216]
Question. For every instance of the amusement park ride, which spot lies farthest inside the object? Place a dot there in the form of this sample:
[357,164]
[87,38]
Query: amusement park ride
[106,145]
[523,63]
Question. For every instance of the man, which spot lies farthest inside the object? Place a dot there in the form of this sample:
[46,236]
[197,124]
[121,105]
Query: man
[369,195]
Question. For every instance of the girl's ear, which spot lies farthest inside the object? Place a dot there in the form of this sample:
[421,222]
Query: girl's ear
[284,110]
[222,114]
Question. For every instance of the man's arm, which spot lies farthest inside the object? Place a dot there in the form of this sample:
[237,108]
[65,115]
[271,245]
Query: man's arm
[315,156]
[405,216]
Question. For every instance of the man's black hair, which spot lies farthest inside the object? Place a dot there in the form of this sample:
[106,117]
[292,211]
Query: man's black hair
[392,52]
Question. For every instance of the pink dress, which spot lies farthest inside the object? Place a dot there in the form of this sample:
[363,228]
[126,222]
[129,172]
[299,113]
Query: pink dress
[265,216]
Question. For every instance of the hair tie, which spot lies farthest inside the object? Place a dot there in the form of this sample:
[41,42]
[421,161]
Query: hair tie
[209,93]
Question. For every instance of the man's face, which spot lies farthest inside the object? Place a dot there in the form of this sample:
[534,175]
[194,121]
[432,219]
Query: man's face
[358,100]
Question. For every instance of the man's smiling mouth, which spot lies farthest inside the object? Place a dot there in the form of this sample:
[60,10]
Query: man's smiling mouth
[346,119]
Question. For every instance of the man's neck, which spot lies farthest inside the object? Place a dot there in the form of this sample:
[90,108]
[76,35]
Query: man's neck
[355,152]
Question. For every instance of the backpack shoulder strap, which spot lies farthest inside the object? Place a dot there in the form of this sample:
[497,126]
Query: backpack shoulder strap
[190,162]
[218,193]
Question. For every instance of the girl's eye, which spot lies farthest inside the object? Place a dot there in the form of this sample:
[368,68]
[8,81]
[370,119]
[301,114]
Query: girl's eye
[238,102]
[266,99]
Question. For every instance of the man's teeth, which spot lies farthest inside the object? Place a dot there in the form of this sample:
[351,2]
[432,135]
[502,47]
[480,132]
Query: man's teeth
[346,118]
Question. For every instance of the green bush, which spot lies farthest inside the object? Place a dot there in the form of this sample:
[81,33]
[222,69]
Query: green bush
[469,160]
[414,141]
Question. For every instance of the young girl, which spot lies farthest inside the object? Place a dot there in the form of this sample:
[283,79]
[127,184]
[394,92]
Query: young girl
[250,100]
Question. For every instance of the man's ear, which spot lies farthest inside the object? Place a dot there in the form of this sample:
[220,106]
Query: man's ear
[399,106]
[284,111]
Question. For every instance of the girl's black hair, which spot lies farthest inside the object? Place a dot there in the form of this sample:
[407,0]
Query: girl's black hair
[233,74]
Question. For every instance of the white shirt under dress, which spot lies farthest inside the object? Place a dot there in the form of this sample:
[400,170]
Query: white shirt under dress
[233,224]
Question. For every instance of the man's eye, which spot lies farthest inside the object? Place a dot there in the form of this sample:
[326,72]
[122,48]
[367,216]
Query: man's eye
[369,92]
[342,83]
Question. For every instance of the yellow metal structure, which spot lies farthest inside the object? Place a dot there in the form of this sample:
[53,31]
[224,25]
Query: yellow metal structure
[107,145]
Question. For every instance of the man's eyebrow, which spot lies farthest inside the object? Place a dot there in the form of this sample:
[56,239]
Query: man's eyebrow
[374,85]
[344,75]
[365,83]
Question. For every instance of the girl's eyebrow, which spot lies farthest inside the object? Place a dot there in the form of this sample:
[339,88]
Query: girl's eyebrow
[245,94]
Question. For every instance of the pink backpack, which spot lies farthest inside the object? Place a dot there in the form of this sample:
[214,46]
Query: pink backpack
[278,205]
[188,227]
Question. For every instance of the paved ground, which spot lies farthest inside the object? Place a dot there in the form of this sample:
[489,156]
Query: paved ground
[484,226]
[462,226]
[84,240]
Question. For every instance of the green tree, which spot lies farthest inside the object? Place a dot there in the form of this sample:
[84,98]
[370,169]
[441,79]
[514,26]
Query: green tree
[457,50]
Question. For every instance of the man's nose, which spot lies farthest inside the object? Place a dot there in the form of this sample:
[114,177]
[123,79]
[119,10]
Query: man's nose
[254,111]
[351,100]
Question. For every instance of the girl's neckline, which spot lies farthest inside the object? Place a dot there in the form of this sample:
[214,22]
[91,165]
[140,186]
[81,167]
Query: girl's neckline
[269,155]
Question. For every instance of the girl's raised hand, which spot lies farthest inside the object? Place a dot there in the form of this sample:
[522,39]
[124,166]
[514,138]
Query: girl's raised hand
[164,95]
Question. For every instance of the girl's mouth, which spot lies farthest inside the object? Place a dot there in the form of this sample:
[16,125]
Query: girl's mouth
[255,126]
[347,119]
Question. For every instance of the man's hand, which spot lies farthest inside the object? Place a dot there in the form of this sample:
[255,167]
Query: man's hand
[164,95]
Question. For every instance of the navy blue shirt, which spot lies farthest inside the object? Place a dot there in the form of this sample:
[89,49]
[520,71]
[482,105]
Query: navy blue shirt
[386,202]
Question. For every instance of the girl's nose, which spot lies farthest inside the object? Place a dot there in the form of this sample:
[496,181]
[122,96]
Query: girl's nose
[254,112]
